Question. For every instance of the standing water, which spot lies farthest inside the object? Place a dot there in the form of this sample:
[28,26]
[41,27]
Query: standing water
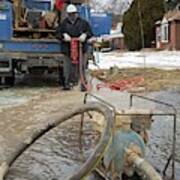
[57,154]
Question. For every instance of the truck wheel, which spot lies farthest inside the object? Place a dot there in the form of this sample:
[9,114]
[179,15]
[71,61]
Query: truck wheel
[10,81]
[61,78]
[37,70]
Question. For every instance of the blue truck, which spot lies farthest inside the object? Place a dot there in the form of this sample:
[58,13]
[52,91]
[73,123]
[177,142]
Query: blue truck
[27,49]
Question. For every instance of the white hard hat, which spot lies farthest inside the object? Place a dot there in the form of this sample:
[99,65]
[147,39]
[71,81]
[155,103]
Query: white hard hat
[71,8]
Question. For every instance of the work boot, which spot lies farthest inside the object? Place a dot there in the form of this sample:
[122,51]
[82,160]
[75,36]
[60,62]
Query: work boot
[83,88]
[61,81]
[66,87]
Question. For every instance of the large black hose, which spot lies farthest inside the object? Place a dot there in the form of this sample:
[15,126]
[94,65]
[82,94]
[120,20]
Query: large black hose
[56,120]
[82,70]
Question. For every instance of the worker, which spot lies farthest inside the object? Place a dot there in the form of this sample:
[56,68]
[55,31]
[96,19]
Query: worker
[72,27]
[59,6]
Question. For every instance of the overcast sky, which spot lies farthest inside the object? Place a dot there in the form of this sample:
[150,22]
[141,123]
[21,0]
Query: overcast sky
[117,6]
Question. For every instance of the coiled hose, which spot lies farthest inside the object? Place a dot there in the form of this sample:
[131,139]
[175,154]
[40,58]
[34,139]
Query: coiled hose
[56,120]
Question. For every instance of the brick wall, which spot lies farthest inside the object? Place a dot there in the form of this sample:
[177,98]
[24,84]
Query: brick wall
[177,35]
[118,43]
[172,35]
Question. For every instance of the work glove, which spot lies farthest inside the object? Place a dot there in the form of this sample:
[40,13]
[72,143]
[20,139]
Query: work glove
[82,37]
[67,38]
[92,40]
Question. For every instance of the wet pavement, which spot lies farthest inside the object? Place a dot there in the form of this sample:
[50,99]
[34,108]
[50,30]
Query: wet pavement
[161,133]
[23,110]
[56,155]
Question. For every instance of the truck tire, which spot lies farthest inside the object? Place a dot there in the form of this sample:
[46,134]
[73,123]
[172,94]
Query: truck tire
[37,70]
[9,81]
[61,79]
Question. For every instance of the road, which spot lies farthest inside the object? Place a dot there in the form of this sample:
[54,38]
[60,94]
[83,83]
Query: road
[23,109]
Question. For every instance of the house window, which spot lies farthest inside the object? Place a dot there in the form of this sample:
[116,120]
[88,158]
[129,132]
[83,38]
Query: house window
[178,7]
[164,32]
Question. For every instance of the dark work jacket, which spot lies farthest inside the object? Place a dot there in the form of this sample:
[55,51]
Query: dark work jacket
[74,30]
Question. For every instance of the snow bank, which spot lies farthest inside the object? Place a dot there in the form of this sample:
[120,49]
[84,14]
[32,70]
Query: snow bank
[161,59]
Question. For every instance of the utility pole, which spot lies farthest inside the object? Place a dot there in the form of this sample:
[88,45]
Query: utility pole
[142,37]
[141,24]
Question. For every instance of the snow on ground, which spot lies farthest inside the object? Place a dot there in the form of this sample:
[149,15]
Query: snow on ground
[160,59]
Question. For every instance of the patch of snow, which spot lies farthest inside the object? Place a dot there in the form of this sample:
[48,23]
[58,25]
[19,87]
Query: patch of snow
[161,60]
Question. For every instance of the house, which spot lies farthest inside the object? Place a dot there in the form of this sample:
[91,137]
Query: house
[117,37]
[168,31]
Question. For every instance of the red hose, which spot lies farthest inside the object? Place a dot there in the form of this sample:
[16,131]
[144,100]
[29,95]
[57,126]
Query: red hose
[77,59]
[119,85]
[122,85]
[74,50]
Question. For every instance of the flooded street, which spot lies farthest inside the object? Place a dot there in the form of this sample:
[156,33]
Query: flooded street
[56,156]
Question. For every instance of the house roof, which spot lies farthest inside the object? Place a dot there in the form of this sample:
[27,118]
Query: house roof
[158,22]
[172,15]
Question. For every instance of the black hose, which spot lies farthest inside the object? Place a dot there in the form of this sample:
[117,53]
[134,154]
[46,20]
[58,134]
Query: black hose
[57,119]
[86,85]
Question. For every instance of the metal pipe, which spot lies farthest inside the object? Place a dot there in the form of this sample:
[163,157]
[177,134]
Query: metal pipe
[174,149]
[174,127]
[3,170]
[100,100]
[153,100]
[142,165]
